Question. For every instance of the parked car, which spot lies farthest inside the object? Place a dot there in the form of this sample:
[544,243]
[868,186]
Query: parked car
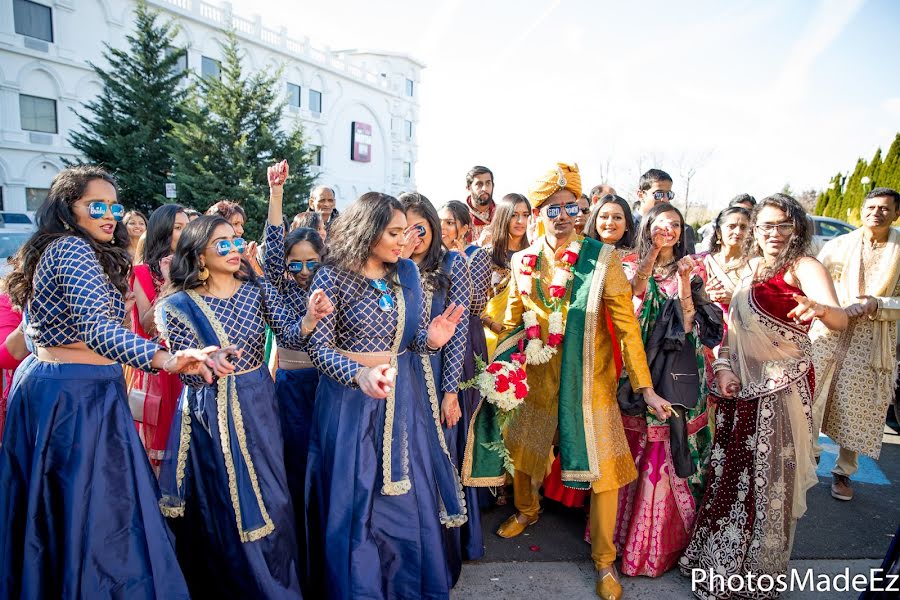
[826,228]
[17,220]
[10,242]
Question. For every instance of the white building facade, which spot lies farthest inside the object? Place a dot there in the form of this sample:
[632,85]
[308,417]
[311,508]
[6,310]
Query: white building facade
[359,109]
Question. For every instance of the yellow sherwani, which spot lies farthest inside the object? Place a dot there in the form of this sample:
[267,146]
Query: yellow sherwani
[531,434]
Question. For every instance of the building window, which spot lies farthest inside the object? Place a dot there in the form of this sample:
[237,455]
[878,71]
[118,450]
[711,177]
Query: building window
[407,127]
[409,87]
[210,67]
[34,197]
[293,93]
[181,64]
[407,170]
[315,101]
[33,19]
[38,114]
[315,156]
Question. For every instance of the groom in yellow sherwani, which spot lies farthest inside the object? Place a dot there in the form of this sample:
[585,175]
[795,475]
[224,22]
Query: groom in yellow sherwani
[572,396]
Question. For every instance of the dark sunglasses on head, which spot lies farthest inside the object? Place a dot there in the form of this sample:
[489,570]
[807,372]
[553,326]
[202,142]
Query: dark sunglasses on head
[98,209]
[554,211]
[296,266]
[659,195]
[421,229]
[223,247]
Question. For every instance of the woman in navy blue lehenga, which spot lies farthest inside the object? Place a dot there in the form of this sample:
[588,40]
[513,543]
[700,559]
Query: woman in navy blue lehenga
[224,479]
[296,378]
[445,280]
[78,514]
[379,483]
[455,224]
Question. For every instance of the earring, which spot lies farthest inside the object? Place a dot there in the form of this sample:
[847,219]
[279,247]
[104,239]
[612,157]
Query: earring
[203,275]
[66,226]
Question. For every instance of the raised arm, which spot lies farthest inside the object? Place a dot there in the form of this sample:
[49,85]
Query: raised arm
[273,255]
[820,299]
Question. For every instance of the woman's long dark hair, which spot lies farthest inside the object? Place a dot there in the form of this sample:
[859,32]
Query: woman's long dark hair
[158,242]
[590,228]
[55,220]
[433,275]
[796,248]
[184,274]
[715,244]
[503,215]
[645,240]
[359,228]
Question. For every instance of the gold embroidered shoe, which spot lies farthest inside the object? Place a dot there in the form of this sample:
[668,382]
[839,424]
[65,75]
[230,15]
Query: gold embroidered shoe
[513,527]
[608,587]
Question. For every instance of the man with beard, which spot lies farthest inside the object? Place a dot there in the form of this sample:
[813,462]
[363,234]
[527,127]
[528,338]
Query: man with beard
[480,185]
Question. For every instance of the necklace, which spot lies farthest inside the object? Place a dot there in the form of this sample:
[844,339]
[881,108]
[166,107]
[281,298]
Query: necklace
[234,289]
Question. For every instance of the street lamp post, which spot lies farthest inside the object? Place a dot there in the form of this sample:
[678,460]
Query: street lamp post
[865,181]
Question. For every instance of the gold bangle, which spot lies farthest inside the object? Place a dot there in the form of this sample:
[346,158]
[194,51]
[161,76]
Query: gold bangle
[642,276]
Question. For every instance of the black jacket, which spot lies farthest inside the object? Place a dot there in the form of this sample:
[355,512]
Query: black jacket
[673,367]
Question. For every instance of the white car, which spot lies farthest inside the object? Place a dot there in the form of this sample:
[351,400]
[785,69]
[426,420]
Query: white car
[17,220]
[10,242]
[826,228]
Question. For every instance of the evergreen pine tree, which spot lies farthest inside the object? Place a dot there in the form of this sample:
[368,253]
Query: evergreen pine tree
[853,194]
[230,134]
[126,127]
[890,169]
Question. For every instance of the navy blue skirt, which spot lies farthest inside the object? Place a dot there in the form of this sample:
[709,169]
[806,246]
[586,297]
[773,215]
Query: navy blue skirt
[216,561]
[364,544]
[79,512]
[467,542]
[295,391]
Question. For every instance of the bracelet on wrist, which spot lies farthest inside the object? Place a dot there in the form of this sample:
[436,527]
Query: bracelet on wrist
[167,364]
[430,348]
[643,276]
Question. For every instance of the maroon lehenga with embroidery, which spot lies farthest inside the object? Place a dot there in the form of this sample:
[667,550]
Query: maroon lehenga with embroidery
[761,463]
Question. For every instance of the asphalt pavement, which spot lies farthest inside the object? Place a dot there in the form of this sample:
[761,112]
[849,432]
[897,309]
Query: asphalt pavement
[551,560]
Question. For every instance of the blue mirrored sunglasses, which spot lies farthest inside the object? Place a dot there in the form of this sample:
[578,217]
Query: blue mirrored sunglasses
[296,266]
[223,247]
[571,209]
[98,209]
[660,194]
[386,302]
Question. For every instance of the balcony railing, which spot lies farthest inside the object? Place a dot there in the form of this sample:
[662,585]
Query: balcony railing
[221,16]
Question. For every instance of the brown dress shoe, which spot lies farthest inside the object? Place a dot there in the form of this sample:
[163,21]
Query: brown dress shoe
[608,586]
[840,487]
[513,526]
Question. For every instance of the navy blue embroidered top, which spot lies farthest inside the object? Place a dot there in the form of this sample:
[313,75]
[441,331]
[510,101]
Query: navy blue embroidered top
[480,271]
[454,352]
[293,295]
[356,325]
[74,301]
[243,317]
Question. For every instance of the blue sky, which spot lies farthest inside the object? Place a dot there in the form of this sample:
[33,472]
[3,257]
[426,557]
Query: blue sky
[750,95]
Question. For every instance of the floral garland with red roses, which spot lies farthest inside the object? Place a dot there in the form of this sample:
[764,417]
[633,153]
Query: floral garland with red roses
[538,352]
